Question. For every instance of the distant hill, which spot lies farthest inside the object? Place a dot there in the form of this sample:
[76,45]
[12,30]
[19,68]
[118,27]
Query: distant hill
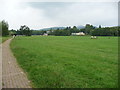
[80,27]
[53,28]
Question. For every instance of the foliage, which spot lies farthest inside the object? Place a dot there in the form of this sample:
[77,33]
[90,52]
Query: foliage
[64,32]
[88,30]
[12,32]
[4,26]
[38,32]
[25,30]
[107,31]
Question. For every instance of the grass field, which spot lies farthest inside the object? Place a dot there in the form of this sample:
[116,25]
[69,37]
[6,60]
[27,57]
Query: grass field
[68,61]
[2,39]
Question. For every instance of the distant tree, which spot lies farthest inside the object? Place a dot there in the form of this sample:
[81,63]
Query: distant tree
[88,28]
[69,27]
[4,26]
[99,26]
[25,30]
[82,30]
[12,32]
[0,28]
[74,29]
[118,30]
[107,31]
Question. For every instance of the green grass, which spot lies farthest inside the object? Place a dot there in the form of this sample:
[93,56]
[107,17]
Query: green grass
[3,39]
[0,39]
[68,61]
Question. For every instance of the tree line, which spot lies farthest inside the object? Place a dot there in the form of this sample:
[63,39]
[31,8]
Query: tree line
[88,30]
[4,30]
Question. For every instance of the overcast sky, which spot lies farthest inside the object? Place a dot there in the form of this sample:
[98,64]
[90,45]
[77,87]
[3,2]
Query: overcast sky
[39,15]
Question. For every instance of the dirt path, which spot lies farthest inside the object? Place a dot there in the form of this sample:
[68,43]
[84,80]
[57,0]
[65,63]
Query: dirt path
[12,75]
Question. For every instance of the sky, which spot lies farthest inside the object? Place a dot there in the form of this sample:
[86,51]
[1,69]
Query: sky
[38,14]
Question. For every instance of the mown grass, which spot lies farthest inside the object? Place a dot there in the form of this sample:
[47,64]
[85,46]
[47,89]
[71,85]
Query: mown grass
[68,61]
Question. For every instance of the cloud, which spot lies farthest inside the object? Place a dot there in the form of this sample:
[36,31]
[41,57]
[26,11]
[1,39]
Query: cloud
[49,14]
[17,14]
[80,13]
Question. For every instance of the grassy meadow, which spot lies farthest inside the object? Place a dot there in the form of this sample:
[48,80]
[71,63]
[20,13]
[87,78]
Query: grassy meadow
[68,61]
[3,39]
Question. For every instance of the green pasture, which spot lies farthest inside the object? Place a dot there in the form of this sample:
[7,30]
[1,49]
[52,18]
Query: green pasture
[68,61]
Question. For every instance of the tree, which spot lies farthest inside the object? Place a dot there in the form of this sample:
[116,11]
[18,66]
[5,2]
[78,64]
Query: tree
[12,32]
[88,28]
[74,29]
[107,31]
[25,30]
[4,26]
[0,28]
[99,26]
[118,30]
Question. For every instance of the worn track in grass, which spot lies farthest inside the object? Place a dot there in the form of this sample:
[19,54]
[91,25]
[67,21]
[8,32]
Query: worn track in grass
[12,75]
